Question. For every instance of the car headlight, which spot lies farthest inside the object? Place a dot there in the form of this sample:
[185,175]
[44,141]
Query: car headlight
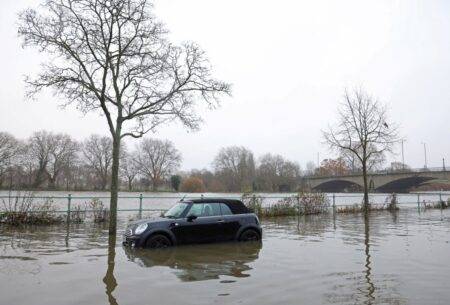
[140,228]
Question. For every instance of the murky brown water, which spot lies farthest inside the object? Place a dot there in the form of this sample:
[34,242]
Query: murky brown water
[388,258]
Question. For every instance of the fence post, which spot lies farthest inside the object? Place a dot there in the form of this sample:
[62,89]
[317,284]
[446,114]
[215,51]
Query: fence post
[418,202]
[140,205]
[298,205]
[334,203]
[69,201]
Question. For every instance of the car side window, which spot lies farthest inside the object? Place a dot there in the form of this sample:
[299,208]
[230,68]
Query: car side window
[204,209]
[225,209]
[211,209]
[196,210]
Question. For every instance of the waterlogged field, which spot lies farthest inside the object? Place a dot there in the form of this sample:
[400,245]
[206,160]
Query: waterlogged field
[388,258]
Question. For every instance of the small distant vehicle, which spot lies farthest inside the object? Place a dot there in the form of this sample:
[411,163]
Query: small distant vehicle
[195,221]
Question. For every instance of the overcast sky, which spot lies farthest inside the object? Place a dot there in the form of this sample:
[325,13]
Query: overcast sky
[289,63]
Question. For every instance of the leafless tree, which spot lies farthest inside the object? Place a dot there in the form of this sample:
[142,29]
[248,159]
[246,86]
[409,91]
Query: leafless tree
[236,167]
[310,168]
[97,152]
[113,56]
[277,174]
[9,150]
[50,153]
[362,129]
[129,168]
[157,159]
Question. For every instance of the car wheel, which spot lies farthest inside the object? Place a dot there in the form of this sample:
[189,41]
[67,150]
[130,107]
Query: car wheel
[249,235]
[158,241]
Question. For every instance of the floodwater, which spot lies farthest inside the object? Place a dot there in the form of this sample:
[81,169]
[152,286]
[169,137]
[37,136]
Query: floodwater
[386,258]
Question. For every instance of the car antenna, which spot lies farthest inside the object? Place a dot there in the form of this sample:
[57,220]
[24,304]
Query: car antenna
[182,199]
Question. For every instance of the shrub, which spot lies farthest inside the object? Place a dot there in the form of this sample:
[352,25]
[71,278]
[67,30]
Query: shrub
[22,209]
[192,185]
[392,202]
[99,212]
[437,205]
[253,203]
[78,214]
[303,204]
[359,208]
[313,203]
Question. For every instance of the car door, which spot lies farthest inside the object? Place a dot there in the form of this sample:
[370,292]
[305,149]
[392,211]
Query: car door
[207,227]
[230,222]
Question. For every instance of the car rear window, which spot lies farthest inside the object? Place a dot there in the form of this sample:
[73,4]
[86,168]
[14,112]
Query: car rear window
[204,209]
[225,209]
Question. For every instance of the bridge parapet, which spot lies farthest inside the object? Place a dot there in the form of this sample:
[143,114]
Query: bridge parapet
[381,180]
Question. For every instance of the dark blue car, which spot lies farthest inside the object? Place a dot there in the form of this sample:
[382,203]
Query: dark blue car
[196,221]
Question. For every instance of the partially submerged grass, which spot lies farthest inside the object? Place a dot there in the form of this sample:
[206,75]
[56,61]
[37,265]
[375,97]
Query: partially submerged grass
[301,204]
[359,208]
[24,209]
[437,205]
[20,209]
[390,204]
[99,212]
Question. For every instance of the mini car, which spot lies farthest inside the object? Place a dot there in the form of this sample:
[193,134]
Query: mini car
[195,221]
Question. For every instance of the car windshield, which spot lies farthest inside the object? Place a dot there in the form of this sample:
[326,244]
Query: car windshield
[176,210]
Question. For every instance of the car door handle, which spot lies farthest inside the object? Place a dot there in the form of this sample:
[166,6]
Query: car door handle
[221,220]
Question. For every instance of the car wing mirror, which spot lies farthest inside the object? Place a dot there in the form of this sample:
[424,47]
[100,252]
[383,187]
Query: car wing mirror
[191,218]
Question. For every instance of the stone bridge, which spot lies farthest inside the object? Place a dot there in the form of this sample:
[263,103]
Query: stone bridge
[385,181]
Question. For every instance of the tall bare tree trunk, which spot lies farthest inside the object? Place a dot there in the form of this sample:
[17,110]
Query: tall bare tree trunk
[366,186]
[114,183]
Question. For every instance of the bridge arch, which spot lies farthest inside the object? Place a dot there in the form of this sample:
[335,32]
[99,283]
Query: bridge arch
[403,184]
[338,186]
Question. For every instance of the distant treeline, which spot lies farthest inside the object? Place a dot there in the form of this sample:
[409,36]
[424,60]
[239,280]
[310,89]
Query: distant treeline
[55,161]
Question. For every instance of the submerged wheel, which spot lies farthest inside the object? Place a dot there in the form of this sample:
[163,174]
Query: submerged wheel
[158,241]
[249,235]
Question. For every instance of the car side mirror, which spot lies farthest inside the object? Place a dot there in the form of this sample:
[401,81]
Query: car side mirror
[191,218]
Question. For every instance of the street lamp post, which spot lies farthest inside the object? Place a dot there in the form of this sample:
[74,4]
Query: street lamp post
[425,153]
[403,156]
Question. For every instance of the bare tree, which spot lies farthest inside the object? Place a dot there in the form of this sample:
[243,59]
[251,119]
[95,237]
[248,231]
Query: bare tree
[113,56]
[236,167]
[97,152]
[363,130]
[277,174]
[9,150]
[157,160]
[50,153]
[129,168]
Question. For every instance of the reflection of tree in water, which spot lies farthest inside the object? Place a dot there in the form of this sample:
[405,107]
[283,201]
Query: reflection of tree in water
[109,279]
[370,286]
[200,262]
[369,290]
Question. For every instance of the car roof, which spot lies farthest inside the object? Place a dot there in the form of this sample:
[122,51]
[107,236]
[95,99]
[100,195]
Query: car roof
[235,205]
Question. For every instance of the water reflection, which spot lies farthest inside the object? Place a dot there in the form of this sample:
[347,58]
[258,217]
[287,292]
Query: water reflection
[109,279]
[370,285]
[201,262]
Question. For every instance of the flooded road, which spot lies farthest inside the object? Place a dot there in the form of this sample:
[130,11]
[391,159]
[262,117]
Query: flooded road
[387,258]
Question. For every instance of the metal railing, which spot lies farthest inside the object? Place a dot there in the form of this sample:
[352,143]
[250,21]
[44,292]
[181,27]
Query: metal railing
[333,200]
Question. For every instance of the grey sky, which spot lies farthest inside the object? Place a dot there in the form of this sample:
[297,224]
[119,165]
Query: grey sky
[289,62]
